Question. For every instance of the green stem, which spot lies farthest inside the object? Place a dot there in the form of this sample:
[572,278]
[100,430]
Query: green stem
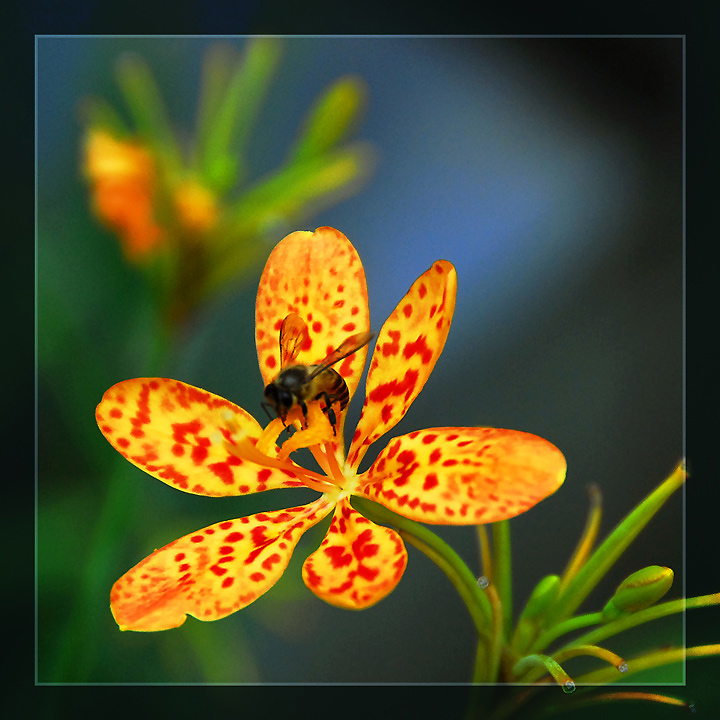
[654,612]
[496,643]
[648,661]
[481,671]
[564,627]
[441,554]
[77,650]
[485,553]
[502,573]
[545,664]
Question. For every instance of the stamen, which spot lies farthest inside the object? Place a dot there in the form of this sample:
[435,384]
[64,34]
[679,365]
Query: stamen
[335,470]
[241,446]
[320,458]
[268,439]
[318,431]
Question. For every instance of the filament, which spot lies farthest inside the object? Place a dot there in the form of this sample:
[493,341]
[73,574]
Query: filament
[241,446]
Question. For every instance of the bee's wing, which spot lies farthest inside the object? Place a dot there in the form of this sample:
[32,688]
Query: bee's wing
[351,345]
[293,333]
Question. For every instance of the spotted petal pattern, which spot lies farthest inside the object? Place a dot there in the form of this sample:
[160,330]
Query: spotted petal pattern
[463,476]
[320,277]
[213,572]
[358,563]
[407,348]
[177,433]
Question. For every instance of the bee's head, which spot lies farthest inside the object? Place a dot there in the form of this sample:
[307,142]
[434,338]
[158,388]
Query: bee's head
[279,399]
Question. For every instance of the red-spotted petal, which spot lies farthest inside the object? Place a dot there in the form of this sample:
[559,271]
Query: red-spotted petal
[461,476]
[319,277]
[407,348]
[180,434]
[213,572]
[358,563]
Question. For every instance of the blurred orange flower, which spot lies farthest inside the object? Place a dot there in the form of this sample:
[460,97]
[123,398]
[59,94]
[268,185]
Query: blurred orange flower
[184,205]
[122,179]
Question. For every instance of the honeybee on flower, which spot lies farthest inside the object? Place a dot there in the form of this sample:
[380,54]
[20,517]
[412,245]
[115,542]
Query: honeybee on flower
[312,294]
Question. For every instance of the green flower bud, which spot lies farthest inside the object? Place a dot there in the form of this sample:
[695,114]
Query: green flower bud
[639,591]
[542,597]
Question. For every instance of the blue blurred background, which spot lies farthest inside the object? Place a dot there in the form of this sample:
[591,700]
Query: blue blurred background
[549,171]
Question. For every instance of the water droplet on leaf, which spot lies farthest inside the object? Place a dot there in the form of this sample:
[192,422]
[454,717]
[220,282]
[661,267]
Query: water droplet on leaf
[623,667]
[483,582]
[568,686]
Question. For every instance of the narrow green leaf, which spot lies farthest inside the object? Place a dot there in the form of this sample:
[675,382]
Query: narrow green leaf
[287,191]
[587,539]
[233,111]
[613,546]
[217,67]
[655,612]
[277,205]
[648,661]
[331,119]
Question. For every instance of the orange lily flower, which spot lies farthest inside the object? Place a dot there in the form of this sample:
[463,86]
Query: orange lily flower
[203,444]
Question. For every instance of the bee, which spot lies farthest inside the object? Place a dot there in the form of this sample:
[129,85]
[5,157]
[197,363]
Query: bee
[298,384]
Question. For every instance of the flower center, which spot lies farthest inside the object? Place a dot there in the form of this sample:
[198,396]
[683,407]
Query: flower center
[316,437]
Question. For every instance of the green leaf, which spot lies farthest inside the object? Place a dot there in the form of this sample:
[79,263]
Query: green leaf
[231,103]
[654,612]
[279,203]
[331,119]
[217,69]
[290,190]
[610,550]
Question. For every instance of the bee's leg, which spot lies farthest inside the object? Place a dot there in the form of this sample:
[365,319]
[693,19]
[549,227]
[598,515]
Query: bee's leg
[266,407]
[303,407]
[328,410]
